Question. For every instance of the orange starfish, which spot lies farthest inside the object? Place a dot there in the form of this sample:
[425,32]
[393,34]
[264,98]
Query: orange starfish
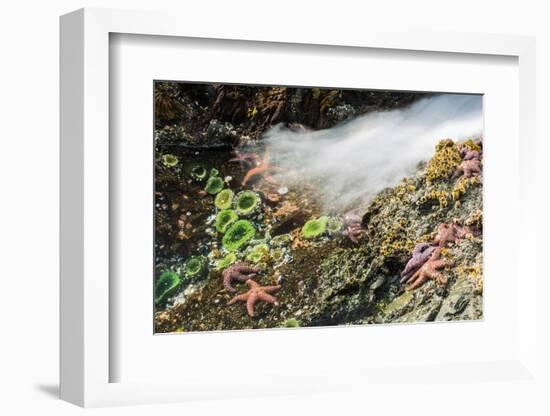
[262,168]
[255,294]
[429,270]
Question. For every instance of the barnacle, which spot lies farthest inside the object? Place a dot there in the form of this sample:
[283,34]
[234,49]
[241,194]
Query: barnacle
[470,144]
[444,162]
[238,235]
[434,195]
[396,242]
[462,185]
[224,219]
[474,273]
[475,219]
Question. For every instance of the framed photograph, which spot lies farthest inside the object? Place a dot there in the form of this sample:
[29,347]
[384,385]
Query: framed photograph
[333,208]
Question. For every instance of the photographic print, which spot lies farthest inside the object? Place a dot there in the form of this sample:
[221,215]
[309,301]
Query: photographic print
[285,207]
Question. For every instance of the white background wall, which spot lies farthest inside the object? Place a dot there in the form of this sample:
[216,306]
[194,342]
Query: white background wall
[29,178]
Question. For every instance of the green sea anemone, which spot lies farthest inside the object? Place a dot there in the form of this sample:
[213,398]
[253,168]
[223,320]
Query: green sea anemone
[258,253]
[226,261]
[198,172]
[214,185]
[238,235]
[315,228]
[247,202]
[195,267]
[224,199]
[169,160]
[166,286]
[334,225]
[224,219]
[214,172]
[291,323]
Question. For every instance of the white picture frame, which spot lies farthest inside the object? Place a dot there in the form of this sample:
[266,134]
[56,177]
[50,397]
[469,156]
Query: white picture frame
[85,213]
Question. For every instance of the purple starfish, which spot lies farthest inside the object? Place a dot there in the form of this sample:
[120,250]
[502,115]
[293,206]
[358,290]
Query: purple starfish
[420,255]
[468,154]
[238,271]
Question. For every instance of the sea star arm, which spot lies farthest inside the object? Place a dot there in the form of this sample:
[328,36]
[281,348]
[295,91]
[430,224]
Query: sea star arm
[437,276]
[227,282]
[267,298]
[243,277]
[252,299]
[270,289]
[418,280]
[238,298]
[251,173]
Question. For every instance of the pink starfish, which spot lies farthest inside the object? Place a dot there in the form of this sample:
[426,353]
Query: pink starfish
[255,294]
[429,271]
[468,168]
[262,168]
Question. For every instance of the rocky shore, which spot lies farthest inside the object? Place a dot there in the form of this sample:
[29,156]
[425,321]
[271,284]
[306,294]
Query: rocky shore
[327,269]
